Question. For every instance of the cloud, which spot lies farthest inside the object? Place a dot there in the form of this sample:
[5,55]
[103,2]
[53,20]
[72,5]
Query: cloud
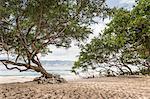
[62,53]
[73,52]
[128,4]
[127,1]
[97,28]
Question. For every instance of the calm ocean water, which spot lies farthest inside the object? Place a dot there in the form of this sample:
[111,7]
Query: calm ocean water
[62,68]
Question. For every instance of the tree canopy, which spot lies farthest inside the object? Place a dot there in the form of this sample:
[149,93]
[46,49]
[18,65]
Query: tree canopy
[28,27]
[124,43]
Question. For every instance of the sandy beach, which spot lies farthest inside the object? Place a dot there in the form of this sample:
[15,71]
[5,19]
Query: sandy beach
[96,88]
[12,79]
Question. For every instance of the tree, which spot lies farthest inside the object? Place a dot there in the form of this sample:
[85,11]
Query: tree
[28,27]
[124,42]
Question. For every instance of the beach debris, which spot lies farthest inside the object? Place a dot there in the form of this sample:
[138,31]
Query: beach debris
[53,80]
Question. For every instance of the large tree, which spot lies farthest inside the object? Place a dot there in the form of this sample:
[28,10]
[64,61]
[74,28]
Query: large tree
[124,43]
[28,27]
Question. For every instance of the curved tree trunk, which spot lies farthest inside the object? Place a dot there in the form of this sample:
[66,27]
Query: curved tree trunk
[45,73]
[122,72]
[128,69]
[126,66]
[41,70]
[46,77]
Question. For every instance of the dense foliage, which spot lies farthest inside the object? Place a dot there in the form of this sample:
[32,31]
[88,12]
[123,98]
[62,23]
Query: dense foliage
[28,27]
[123,46]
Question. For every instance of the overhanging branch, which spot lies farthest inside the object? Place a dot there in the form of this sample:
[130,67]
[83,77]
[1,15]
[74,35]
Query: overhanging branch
[21,70]
[5,62]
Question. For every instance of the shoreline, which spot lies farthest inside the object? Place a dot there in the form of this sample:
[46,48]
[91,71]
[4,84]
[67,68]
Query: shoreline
[22,79]
[15,79]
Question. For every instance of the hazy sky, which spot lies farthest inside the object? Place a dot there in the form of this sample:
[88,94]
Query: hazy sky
[73,52]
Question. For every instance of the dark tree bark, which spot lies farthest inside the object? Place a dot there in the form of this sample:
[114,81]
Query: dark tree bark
[38,68]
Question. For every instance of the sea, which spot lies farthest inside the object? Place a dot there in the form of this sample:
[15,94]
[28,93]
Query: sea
[62,68]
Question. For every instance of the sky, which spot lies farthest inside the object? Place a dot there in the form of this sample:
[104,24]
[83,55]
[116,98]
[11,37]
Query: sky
[72,53]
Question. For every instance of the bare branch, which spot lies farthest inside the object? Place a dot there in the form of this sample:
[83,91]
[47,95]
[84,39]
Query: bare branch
[21,70]
[21,39]
[17,58]
[30,28]
[49,41]
[13,63]
[35,68]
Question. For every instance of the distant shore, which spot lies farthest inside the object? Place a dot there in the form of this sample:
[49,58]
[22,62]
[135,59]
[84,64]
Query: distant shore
[96,88]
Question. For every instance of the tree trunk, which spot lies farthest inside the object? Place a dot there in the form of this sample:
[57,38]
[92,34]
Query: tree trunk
[47,78]
[126,66]
[121,71]
[44,73]
[128,69]
[39,68]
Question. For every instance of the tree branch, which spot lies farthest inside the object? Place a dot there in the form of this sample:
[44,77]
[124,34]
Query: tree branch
[21,70]
[35,68]
[17,58]
[30,28]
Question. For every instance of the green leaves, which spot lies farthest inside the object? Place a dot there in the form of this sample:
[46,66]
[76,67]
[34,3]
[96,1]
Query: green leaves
[30,26]
[125,40]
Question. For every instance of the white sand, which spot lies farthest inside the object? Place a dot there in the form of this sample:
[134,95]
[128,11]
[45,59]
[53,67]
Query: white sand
[12,79]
